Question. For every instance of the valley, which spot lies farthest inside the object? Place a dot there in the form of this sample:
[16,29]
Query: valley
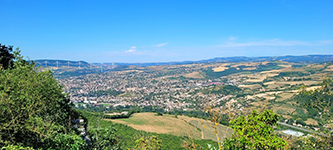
[233,88]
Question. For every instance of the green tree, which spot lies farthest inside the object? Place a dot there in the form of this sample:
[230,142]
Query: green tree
[148,143]
[16,147]
[33,108]
[103,138]
[255,131]
[65,141]
[189,144]
[6,56]
[320,101]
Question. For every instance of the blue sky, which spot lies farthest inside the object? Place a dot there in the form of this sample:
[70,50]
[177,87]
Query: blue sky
[166,30]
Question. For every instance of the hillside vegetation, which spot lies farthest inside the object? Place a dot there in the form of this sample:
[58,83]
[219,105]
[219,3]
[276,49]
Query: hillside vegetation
[37,114]
[127,135]
[34,110]
[180,126]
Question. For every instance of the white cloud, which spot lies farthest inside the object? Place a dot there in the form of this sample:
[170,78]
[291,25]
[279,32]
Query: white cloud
[161,44]
[131,50]
[326,42]
[232,38]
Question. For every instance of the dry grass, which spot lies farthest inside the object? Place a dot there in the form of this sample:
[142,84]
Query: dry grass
[318,77]
[284,96]
[273,86]
[271,74]
[214,65]
[312,88]
[181,126]
[286,108]
[251,68]
[160,124]
[270,83]
[194,75]
[255,78]
[220,68]
[265,62]
[260,77]
[271,71]
[298,82]
[329,68]
[311,121]
[266,95]
[245,64]
[287,116]
[252,87]
[207,130]
[290,69]
[275,92]
[285,66]
[256,104]
[316,66]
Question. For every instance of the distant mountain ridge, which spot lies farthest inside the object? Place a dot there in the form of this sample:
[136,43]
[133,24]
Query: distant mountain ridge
[60,63]
[287,58]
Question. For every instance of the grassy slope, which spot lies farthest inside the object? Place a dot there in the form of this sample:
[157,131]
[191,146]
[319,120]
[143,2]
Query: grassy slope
[160,124]
[127,135]
[181,126]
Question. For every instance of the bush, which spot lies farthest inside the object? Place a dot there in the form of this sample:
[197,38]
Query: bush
[16,147]
[103,138]
[62,141]
[33,107]
[255,131]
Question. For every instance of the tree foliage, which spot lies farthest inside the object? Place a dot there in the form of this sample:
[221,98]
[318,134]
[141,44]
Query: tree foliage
[34,111]
[127,136]
[103,138]
[255,131]
[148,143]
[319,99]
[16,147]
[6,56]
[319,102]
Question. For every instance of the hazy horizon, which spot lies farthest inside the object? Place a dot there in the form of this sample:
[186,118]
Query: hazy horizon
[172,61]
[166,31]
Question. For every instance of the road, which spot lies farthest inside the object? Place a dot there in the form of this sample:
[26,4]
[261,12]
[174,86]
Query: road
[291,126]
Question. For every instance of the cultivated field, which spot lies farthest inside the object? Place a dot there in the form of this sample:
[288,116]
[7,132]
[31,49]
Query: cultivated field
[219,69]
[194,75]
[311,121]
[181,126]
[206,128]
